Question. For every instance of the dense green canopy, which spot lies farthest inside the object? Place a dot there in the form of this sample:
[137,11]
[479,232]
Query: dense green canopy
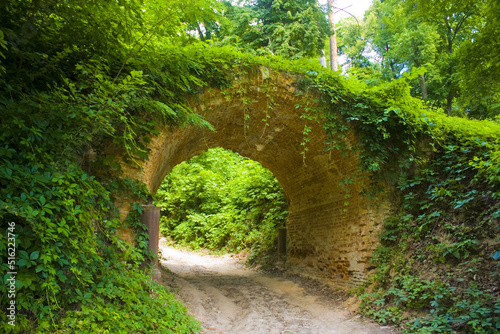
[449,43]
[289,28]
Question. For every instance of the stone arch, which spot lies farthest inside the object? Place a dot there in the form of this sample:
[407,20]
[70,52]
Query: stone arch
[326,238]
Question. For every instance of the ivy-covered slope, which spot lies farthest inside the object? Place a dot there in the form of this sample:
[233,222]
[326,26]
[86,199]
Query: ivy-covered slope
[437,268]
[68,88]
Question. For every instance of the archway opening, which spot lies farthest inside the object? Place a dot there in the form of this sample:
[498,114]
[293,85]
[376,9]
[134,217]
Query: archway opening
[332,229]
[226,203]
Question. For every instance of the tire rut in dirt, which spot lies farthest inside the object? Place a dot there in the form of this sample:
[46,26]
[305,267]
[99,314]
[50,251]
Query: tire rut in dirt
[244,305]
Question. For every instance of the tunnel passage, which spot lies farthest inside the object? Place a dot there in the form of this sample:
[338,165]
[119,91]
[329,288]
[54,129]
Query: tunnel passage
[327,237]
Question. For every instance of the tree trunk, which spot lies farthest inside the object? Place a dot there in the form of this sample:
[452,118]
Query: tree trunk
[421,78]
[322,58]
[423,87]
[333,39]
[202,38]
[449,84]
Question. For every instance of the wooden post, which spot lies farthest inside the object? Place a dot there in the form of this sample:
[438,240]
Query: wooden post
[151,218]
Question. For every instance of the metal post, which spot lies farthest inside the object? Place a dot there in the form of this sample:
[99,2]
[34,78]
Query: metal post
[151,218]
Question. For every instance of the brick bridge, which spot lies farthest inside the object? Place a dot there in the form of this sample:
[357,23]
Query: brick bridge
[326,238]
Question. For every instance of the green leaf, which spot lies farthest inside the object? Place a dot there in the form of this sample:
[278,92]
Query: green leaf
[34,255]
[22,262]
[24,254]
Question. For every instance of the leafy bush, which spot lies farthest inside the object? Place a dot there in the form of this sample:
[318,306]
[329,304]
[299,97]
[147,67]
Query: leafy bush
[437,263]
[222,201]
[127,301]
[68,254]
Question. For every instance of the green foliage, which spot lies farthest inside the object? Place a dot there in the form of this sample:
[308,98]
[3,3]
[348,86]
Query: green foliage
[173,21]
[452,40]
[67,249]
[291,29]
[479,65]
[128,302]
[82,78]
[222,201]
[70,89]
[449,216]
[448,309]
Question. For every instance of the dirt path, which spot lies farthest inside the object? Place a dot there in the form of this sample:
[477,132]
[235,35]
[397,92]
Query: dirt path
[229,298]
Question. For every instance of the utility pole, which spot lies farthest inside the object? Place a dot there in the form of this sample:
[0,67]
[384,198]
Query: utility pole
[333,38]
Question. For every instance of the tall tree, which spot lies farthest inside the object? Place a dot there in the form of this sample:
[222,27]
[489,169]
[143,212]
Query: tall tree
[355,47]
[289,28]
[333,37]
[454,22]
[479,64]
[412,34]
